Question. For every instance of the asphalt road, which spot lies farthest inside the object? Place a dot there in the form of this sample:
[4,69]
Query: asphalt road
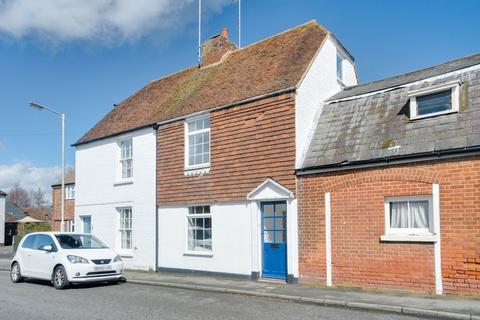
[39,300]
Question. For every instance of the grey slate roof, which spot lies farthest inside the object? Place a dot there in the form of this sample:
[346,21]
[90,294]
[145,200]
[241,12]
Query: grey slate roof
[12,210]
[408,77]
[364,129]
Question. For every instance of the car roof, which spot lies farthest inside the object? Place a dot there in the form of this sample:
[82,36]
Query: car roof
[53,233]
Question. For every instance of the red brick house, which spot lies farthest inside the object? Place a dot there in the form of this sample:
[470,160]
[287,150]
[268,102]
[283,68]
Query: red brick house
[69,224]
[389,192]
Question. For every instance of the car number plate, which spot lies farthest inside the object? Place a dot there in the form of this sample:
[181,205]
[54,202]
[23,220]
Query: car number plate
[103,268]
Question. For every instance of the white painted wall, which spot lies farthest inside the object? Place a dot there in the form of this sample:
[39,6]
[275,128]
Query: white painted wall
[231,240]
[2,219]
[319,83]
[99,192]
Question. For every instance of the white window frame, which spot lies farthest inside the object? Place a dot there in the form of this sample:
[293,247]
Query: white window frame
[187,144]
[122,229]
[409,234]
[123,161]
[188,251]
[455,96]
[69,192]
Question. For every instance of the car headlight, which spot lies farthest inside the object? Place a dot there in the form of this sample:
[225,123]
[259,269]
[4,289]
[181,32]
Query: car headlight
[77,259]
[117,258]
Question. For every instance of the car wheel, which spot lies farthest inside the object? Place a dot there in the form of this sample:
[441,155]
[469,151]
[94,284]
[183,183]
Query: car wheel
[113,282]
[60,279]
[15,274]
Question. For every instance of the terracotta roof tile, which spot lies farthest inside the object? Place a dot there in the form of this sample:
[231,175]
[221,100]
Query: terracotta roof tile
[264,67]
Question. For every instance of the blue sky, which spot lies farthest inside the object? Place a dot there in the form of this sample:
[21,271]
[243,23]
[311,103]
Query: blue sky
[83,69]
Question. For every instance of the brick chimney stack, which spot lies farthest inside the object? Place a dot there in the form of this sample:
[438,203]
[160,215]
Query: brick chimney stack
[224,33]
[216,47]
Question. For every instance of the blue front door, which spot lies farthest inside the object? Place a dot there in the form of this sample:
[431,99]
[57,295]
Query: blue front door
[274,230]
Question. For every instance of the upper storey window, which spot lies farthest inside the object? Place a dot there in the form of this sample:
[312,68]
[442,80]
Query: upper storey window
[340,67]
[197,143]
[126,158]
[434,101]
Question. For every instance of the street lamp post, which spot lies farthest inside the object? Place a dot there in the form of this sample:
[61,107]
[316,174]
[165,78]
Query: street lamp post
[62,117]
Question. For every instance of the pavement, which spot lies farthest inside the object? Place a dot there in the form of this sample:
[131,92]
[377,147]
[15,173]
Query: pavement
[439,307]
[40,301]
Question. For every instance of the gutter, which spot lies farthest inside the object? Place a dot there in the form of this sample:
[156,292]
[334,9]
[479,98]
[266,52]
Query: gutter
[113,135]
[391,160]
[157,124]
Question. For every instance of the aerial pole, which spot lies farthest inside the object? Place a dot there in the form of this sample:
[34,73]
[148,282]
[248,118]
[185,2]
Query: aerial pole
[199,32]
[239,23]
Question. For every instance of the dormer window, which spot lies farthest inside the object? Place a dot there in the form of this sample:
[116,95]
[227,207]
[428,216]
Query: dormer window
[434,101]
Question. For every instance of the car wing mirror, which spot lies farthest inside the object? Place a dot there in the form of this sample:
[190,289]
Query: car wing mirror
[47,248]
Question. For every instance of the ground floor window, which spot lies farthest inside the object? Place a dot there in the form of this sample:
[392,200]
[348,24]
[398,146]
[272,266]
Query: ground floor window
[409,215]
[125,228]
[199,228]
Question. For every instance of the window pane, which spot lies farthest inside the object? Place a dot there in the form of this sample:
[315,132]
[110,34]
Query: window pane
[280,223]
[339,66]
[268,236]
[281,209]
[268,209]
[280,236]
[435,102]
[399,214]
[419,214]
[268,224]
[206,157]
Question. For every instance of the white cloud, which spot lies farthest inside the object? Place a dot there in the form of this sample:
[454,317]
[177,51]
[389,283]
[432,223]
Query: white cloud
[109,21]
[28,175]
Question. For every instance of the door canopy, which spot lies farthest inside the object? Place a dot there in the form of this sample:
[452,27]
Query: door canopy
[270,190]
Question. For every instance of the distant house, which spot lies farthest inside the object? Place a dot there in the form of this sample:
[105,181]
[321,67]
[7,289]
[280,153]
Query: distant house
[40,214]
[12,215]
[69,224]
[389,191]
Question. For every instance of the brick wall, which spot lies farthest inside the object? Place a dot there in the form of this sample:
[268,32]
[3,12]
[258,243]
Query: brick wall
[357,220]
[249,143]
[56,203]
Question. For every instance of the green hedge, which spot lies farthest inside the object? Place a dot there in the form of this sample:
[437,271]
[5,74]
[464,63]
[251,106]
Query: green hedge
[29,227]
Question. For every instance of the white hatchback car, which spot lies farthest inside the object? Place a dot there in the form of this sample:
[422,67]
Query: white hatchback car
[65,258]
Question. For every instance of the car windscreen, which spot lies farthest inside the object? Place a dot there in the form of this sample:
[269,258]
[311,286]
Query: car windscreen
[79,241]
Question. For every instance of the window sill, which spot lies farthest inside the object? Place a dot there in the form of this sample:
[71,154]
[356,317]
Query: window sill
[196,171]
[198,254]
[435,114]
[122,182]
[408,238]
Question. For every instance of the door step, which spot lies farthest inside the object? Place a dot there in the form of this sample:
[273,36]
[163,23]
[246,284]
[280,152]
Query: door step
[272,280]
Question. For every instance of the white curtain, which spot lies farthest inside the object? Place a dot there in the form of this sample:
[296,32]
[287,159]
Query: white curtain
[399,214]
[419,214]
[409,214]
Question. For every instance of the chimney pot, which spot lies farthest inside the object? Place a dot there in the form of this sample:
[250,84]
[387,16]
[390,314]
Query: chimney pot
[224,33]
